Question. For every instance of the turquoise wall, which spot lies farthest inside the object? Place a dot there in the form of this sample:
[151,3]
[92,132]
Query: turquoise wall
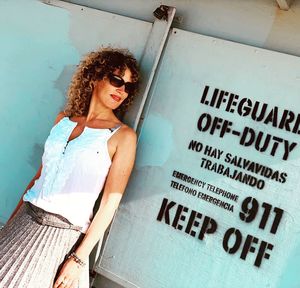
[34,50]
[40,47]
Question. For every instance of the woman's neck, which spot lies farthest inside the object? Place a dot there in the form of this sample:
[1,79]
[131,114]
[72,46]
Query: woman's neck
[100,112]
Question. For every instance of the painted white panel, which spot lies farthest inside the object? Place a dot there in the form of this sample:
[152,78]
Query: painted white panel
[152,249]
[260,23]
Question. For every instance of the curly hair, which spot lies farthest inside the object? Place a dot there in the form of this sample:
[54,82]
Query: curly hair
[95,66]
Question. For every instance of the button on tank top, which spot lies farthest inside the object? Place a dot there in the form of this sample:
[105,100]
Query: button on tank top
[73,172]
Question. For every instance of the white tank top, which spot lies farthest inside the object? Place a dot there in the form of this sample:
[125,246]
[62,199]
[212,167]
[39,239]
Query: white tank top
[73,172]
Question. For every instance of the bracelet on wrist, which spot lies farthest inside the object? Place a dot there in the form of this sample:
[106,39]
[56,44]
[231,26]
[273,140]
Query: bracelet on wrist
[74,256]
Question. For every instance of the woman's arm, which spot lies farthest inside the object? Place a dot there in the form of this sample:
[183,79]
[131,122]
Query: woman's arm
[120,170]
[37,175]
[116,182]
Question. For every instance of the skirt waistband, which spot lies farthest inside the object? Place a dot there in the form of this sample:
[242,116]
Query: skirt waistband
[47,218]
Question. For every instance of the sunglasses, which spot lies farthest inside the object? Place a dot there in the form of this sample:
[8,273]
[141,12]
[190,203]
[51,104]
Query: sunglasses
[117,81]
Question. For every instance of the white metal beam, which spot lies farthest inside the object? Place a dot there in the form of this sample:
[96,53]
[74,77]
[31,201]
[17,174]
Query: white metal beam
[148,66]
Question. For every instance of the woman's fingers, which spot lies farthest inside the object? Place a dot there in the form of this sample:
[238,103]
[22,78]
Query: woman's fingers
[65,282]
[75,284]
[69,275]
[59,282]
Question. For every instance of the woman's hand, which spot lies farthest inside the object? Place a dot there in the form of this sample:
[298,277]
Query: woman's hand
[69,275]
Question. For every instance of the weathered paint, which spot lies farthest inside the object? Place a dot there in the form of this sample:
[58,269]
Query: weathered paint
[22,25]
[259,23]
[158,152]
[40,47]
[168,257]
[34,51]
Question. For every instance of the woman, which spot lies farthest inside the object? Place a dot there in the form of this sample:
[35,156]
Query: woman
[48,238]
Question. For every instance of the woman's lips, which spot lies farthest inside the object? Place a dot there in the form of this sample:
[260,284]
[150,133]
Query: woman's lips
[116,98]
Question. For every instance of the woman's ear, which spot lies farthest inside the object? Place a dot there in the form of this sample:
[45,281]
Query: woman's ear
[93,84]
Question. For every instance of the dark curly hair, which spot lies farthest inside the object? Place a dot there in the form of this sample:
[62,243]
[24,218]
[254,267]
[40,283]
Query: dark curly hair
[95,66]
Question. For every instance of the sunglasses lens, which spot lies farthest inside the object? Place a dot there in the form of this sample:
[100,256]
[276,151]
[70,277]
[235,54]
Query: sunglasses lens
[129,87]
[117,81]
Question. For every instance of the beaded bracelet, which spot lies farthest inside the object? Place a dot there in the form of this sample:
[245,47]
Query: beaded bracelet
[77,259]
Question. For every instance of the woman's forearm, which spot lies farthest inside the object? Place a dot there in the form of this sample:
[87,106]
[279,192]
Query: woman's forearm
[115,185]
[21,200]
[37,175]
[98,226]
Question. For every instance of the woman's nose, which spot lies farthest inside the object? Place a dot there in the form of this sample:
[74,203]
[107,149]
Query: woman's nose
[121,89]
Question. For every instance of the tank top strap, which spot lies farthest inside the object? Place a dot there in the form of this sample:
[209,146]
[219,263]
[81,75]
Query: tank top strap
[113,130]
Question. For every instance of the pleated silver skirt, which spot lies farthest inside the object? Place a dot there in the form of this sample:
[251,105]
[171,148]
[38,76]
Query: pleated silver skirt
[33,247]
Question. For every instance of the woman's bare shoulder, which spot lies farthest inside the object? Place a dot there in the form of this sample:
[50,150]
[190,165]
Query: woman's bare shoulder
[127,131]
[126,135]
[59,116]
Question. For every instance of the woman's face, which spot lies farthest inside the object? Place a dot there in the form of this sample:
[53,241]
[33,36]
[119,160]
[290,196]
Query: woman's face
[108,95]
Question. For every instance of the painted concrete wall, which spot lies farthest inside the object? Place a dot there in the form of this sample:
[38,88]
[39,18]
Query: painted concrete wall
[40,46]
[32,63]
[34,78]
[258,23]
